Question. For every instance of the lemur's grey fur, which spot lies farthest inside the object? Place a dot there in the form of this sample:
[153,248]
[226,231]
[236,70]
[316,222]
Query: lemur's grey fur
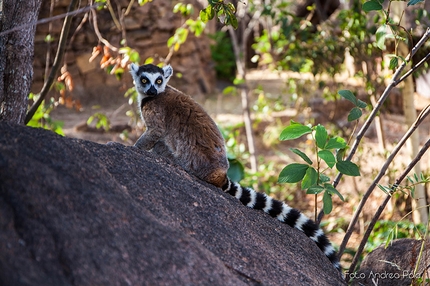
[181,130]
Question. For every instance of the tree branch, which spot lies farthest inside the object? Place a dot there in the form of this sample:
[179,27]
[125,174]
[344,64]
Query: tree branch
[415,67]
[388,197]
[50,19]
[57,61]
[99,35]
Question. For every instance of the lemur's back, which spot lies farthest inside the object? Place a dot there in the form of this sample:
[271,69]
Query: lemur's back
[189,133]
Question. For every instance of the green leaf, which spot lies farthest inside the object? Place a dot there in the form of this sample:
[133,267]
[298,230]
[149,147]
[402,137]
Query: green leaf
[236,170]
[231,7]
[183,34]
[302,155]
[324,178]
[141,2]
[238,81]
[327,203]
[390,237]
[205,14]
[394,62]
[372,5]
[90,119]
[310,178]
[335,143]
[134,57]
[354,114]
[211,12]
[381,35]
[348,95]
[234,22]
[385,189]
[314,190]
[293,173]
[361,103]
[413,2]
[229,90]
[170,41]
[177,7]
[340,154]
[320,136]
[348,168]
[294,130]
[328,157]
[332,190]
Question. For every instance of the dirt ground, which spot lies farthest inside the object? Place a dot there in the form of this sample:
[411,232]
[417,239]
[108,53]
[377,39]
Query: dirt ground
[226,110]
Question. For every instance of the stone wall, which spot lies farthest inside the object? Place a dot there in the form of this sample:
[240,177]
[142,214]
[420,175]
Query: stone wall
[147,29]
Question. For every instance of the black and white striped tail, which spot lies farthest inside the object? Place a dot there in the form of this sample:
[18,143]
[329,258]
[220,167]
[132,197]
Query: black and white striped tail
[285,214]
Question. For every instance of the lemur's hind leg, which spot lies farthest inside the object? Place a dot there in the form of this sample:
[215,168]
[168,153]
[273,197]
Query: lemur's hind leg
[217,178]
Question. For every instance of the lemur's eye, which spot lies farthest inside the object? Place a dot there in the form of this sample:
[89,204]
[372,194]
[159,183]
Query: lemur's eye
[144,80]
[159,81]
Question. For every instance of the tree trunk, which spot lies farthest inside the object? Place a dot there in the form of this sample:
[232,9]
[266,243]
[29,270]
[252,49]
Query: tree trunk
[17,28]
[240,55]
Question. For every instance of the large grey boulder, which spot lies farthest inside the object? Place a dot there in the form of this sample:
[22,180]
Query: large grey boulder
[74,212]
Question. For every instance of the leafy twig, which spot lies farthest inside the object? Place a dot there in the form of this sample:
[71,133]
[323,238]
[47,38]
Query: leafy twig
[50,19]
[394,82]
[57,61]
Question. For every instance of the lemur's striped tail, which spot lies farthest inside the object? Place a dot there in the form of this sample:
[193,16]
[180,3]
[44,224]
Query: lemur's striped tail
[285,214]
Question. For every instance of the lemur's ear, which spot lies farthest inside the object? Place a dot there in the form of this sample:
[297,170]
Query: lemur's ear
[134,68]
[168,71]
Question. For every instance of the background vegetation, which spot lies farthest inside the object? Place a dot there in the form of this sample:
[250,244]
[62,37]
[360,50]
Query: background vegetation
[376,45]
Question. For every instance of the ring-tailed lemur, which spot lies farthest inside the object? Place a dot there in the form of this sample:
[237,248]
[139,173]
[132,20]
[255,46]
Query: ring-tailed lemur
[180,129]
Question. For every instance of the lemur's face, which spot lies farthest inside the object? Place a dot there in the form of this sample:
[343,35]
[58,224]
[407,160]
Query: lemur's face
[150,80]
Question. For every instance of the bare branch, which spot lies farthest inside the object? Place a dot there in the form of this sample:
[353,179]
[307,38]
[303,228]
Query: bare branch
[50,19]
[57,61]
[129,8]
[112,13]
[99,35]
[415,67]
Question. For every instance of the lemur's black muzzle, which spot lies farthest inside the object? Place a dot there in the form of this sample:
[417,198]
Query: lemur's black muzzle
[151,91]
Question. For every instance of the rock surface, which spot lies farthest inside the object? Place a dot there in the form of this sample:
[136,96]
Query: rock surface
[395,265]
[74,212]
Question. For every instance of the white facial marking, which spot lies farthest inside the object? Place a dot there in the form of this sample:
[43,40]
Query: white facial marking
[152,77]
